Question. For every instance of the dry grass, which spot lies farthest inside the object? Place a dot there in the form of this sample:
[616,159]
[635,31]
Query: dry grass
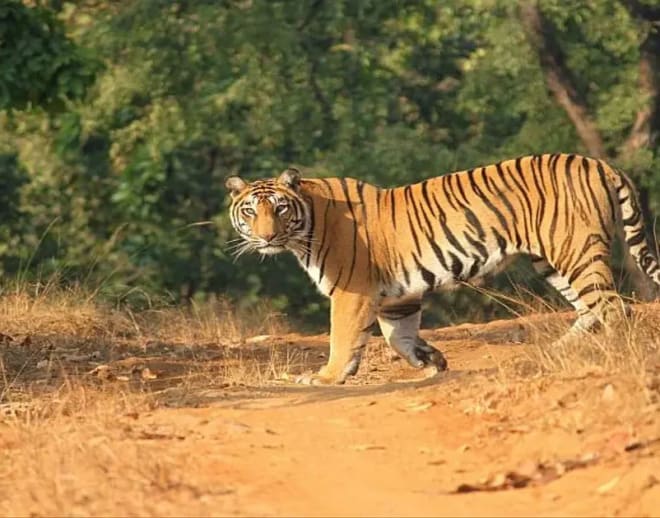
[75,374]
[626,347]
[51,339]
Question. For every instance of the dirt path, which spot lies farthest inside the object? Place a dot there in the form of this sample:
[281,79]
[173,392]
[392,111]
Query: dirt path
[453,445]
[400,454]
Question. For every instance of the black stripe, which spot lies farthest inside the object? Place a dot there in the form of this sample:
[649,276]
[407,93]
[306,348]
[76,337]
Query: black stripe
[427,203]
[636,239]
[540,209]
[325,231]
[444,183]
[475,223]
[476,266]
[633,220]
[310,233]
[393,208]
[406,274]
[521,172]
[480,247]
[501,241]
[580,269]
[493,189]
[334,286]
[360,189]
[344,187]
[606,188]
[590,289]
[554,182]
[459,186]
[445,227]
[456,267]
[489,204]
[524,194]
[427,276]
[399,311]
[594,200]
[406,192]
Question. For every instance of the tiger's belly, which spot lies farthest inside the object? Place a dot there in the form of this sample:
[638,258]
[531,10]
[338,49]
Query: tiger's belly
[429,274]
[416,275]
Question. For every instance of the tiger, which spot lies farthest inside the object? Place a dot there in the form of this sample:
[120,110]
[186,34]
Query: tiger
[375,252]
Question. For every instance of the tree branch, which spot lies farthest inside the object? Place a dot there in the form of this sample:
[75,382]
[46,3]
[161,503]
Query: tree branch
[558,79]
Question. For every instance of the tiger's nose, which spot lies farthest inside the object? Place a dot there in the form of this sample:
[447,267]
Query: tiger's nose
[268,237]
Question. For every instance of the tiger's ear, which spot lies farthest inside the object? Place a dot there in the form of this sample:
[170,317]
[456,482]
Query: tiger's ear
[290,178]
[235,185]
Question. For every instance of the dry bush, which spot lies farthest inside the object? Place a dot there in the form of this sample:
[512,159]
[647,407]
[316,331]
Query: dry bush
[216,321]
[63,312]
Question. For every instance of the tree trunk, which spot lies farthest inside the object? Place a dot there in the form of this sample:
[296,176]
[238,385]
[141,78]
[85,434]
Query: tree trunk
[558,78]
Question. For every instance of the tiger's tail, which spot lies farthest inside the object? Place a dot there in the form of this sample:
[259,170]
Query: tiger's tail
[633,229]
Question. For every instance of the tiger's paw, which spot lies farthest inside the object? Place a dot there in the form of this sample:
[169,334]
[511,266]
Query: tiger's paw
[318,378]
[429,356]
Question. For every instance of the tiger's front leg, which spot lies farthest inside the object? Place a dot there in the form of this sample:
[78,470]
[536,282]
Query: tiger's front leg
[351,316]
[399,322]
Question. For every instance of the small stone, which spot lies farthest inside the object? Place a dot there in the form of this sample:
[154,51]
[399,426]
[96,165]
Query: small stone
[146,374]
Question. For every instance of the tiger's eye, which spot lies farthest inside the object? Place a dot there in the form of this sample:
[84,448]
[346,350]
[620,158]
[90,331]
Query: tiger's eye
[248,211]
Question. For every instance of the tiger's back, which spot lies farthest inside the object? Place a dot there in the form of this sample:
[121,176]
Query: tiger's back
[460,226]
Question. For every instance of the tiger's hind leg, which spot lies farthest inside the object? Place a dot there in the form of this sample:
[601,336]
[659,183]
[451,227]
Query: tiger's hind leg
[590,290]
[399,322]
[586,320]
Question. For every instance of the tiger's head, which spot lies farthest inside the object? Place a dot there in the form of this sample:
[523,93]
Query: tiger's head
[270,215]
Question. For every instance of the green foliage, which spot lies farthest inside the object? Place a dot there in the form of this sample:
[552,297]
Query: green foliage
[122,185]
[39,65]
[12,178]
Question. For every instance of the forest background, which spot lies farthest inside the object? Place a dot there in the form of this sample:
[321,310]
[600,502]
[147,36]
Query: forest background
[120,119]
